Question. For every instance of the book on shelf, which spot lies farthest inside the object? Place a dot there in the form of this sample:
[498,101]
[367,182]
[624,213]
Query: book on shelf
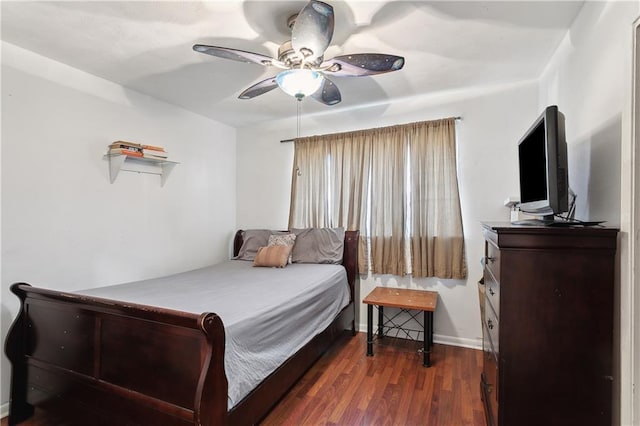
[146,154]
[138,150]
[153,153]
[125,151]
[153,148]
[125,148]
[125,144]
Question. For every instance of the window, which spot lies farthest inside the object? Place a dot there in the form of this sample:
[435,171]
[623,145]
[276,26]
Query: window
[397,185]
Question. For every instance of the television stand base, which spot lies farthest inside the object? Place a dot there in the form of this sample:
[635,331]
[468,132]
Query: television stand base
[541,221]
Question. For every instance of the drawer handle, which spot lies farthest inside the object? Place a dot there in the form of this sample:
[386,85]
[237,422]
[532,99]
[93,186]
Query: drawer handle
[490,324]
[491,292]
[491,259]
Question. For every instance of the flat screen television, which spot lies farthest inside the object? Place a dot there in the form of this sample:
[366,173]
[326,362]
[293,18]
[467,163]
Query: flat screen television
[542,158]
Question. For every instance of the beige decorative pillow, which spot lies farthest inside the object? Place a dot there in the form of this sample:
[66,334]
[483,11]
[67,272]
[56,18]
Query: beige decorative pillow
[283,240]
[273,256]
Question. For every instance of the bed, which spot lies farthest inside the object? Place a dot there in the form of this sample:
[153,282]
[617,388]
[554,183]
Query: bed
[88,356]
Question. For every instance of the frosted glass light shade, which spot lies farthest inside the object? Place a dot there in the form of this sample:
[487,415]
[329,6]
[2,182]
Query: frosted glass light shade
[299,82]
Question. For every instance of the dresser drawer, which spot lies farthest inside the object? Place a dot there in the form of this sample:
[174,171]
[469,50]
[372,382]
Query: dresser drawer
[490,384]
[492,329]
[492,291]
[492,260]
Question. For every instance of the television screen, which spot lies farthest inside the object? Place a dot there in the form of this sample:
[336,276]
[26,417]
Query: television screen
[542,157]
[533,166]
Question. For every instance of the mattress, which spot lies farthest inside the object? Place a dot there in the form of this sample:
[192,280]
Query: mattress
[268,313]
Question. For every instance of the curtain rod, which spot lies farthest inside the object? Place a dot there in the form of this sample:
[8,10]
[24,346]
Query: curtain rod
[291,140]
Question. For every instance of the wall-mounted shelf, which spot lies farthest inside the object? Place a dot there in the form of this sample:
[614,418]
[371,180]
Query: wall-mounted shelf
[128,163]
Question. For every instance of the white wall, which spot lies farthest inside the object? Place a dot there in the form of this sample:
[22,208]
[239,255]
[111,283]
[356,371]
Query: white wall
[589,78]
[493,119]
[64,225]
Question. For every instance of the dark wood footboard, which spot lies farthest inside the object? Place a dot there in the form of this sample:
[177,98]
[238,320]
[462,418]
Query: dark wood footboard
[123,363]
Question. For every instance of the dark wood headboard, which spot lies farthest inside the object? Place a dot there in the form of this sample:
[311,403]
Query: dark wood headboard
[349,258]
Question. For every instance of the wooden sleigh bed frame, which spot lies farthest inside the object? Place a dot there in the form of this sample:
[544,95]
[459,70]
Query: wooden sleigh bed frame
[108,362]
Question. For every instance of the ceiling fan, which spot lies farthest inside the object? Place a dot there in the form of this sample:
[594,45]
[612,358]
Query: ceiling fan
[305,72]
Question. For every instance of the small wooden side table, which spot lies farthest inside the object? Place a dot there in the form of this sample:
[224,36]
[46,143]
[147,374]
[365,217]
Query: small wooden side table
[405,299]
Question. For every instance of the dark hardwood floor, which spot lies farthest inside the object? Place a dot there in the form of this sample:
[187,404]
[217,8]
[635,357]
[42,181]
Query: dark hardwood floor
[345,387]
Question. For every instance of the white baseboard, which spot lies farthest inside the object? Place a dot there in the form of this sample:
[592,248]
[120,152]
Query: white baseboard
[4,410]
[463,342]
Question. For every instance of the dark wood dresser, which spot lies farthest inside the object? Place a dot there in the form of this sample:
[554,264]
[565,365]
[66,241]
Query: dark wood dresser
[548,325]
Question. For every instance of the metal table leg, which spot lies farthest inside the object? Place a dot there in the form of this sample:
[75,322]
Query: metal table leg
[427,339]
[431,328]
[369,330]
[380,322]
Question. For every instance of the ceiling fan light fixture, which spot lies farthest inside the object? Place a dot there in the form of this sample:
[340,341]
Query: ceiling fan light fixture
[299,82]
[302,57]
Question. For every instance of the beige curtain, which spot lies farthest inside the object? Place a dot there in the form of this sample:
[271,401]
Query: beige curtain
[330,184]
[387,203]
[397,185]
[437,243]
[310,185]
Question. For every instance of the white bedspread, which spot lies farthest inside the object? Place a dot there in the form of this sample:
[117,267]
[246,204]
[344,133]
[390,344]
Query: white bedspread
[268,313]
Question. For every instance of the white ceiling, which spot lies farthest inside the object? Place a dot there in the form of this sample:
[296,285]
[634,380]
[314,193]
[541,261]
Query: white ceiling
[146,46]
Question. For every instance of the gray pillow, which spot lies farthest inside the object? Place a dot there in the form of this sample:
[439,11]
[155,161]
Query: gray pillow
[252,240]
[318,245]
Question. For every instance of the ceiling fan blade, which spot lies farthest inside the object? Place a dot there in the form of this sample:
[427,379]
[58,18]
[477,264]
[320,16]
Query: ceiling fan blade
[313,30]
[259,88]
[235,54]
[361,64]
[328,93]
